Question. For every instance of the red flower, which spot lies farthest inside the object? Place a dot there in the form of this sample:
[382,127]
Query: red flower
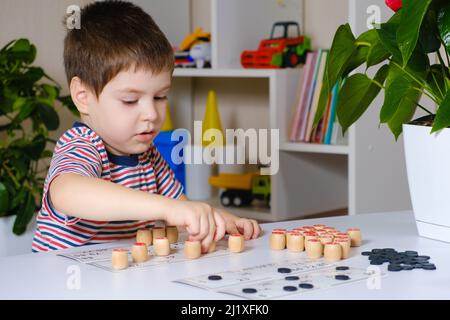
[394,4]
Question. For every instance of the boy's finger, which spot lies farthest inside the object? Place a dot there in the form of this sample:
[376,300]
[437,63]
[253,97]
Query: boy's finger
[193,227]
[256,229]
[246,226]
[221,227]
[206,242]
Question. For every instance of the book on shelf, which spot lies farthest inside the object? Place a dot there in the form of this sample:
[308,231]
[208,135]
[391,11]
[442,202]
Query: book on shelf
[308,99]
[305,78]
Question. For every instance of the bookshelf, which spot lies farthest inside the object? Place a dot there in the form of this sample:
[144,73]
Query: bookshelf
[366,175]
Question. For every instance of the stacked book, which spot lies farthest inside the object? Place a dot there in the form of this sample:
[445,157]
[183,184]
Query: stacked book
[327,130]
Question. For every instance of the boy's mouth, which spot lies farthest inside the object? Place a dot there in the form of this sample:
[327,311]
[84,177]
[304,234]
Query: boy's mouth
[145,135]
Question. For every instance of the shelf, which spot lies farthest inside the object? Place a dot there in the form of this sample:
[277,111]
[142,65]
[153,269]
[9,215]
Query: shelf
[227,73]
[315,148]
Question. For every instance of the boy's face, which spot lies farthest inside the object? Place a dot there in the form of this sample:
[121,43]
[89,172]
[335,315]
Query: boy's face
[130,110]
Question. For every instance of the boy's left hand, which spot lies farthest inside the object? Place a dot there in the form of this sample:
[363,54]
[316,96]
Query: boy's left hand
[247,227]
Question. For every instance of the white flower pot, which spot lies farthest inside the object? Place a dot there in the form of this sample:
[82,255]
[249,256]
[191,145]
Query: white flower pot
[428,167]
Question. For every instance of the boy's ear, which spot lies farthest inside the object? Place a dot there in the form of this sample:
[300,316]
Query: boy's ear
[80,95]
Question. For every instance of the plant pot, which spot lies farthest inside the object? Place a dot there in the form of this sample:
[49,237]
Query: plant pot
[11,244]
[428,168]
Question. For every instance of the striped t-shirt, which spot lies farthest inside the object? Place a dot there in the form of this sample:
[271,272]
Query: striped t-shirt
[80,150]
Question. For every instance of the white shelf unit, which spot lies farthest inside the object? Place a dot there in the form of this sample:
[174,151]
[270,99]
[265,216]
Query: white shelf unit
[367,175]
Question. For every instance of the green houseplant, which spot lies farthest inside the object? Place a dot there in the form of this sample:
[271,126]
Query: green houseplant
[27,114]
[401,51]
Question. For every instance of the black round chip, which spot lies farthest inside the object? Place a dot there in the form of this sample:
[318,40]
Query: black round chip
[291,278]
[214,277]
[407,267]
[428,266]
[284,270]
[342,268]
[249,290]
[366,253]
[342,277]
[289,288]
[395,267]
[305,286]
[376,262]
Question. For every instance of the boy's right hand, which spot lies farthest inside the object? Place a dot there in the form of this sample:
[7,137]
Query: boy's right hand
[201,221]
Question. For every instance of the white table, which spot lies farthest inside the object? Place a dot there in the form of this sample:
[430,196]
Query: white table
[46,276]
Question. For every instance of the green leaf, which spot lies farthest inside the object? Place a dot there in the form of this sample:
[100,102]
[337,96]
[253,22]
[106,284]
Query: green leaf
[387,35]
[442,119]
[4,199]
[437,78]
[357,94]
[405,112]
[397,87]
[341,51]
[408,31]
[51,92]
[34,149]
[21,45]
[24,214]
[429,33]
[377,54]
[339,57]
[444,26]
[48,116]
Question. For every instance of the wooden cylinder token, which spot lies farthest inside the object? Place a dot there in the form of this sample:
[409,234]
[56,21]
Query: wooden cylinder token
[192,249]
[145,236]
[355,237]
[299,230]
[295,242]
[212,247]
[345,245]
[332,252]
[158,232]
[161,246]
[172,234]
[139,252]
[277,240]
[309,236]
[236,243]
[325,238]
[119,259]
[314,250]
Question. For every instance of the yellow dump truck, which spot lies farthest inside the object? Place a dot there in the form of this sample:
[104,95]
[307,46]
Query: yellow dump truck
[241,189]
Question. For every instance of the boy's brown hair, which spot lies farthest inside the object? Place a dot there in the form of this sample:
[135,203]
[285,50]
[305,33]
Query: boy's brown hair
[114,36]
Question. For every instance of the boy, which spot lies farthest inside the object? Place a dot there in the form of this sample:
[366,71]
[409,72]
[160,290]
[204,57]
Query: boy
[106,179]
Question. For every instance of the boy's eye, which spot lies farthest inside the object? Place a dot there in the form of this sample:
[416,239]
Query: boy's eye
[129,102]
[161,98]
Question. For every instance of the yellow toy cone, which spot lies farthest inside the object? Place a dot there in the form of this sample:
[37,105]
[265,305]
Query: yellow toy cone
[168,122]
[212,120]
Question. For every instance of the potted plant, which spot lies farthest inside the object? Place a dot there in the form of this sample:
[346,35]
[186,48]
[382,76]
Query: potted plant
[27,114]
[401,51]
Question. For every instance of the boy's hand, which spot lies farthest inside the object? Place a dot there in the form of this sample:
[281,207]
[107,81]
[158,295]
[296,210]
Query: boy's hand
[201,221]
[247,227]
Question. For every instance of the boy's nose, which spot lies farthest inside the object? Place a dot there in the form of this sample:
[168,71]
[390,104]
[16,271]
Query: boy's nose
[149,112]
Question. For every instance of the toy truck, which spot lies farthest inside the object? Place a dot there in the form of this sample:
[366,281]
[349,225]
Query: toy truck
[241,189]
[278,52]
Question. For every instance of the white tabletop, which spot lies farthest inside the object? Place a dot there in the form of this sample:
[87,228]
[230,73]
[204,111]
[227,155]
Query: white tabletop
[47,276]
